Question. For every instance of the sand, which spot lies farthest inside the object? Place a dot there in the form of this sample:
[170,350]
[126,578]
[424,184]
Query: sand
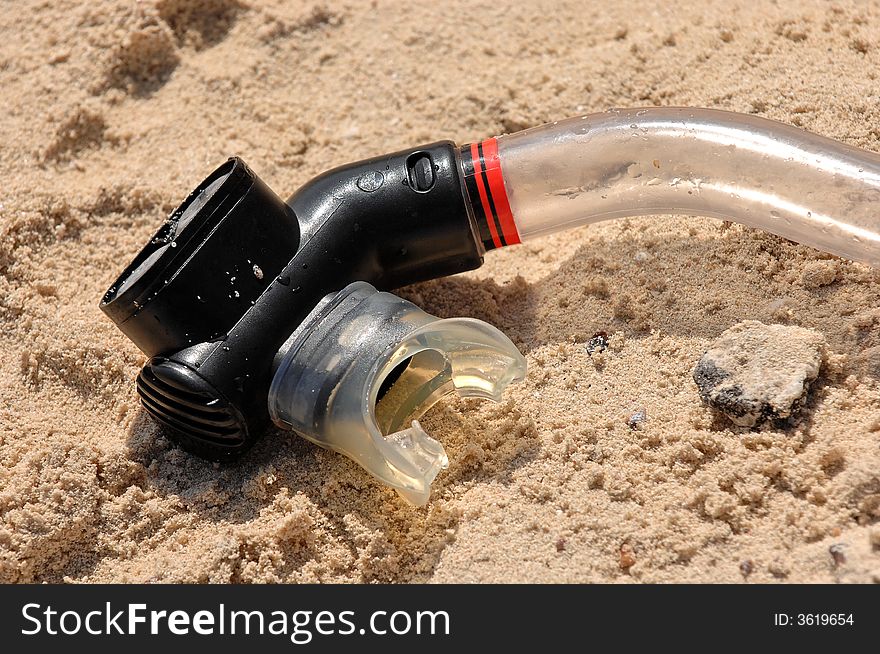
[112,111]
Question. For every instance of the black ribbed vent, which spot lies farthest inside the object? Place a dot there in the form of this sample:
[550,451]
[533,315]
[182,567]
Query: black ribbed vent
[196,413]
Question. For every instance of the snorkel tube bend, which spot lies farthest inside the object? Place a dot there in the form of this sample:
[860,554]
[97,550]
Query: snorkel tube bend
[251,308]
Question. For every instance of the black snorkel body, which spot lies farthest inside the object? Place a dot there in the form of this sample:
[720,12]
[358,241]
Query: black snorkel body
[235,270]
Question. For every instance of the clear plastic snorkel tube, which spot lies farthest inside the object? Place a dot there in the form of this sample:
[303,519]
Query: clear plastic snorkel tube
[354,369]
[759,172]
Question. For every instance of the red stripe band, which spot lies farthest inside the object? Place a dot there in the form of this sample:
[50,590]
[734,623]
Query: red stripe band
[484,198]
[498,191]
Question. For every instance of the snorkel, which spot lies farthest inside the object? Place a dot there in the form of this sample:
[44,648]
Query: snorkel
[252,309]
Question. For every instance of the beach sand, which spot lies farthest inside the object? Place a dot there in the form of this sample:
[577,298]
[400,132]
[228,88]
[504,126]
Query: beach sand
[112,111]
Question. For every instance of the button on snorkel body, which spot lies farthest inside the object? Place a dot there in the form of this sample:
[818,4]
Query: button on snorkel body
[420,170]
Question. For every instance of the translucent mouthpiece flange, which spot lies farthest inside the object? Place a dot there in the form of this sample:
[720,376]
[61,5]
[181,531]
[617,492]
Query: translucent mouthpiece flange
[365,365]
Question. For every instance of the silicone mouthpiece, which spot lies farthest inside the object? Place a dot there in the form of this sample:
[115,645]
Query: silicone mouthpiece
[365,365]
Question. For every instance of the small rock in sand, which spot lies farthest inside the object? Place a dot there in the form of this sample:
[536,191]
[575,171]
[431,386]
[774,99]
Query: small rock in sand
[838,554]
[637,418]
[598,343]
[817,274]
[755,373]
